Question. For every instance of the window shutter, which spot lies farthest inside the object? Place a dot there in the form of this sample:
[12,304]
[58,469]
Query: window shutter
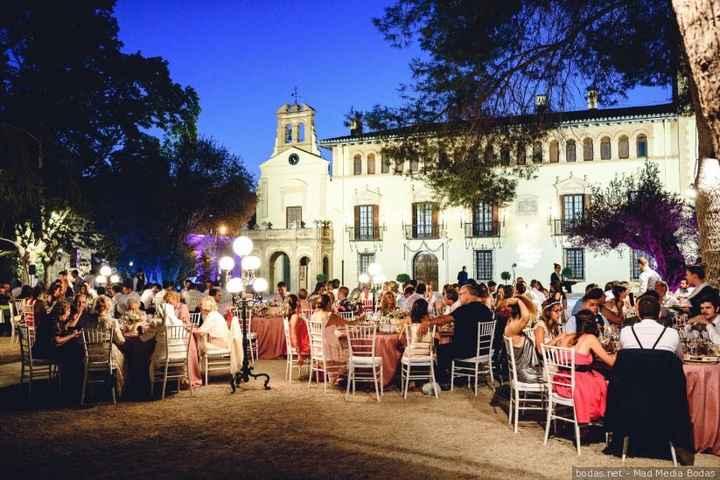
[586,203]
[562,206]
[495,219]
[376,222]
[414,220]
[357,222]
[435,227]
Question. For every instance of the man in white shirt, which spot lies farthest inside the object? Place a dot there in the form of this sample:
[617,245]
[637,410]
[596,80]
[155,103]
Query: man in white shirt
[409,298]
[648,333]
[127,294]
[648,276]
[191,296]
[451,300]
[710,317]
[148,295]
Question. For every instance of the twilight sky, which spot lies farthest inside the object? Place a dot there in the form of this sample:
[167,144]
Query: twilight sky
[245,56]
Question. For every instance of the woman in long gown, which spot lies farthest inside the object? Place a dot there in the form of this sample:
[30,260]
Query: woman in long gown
[333,331]
[590,386]
[103,310]
[183,314]
[299,338]
[527,361]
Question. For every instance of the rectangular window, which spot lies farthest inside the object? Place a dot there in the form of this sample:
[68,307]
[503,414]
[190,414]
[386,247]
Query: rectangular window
[424,219]
[414,165]
[384,165]
[483,219]
[575,261]
[364,260]
[634,267]
[483,265]
[366,223]
[572,207]
[293,216]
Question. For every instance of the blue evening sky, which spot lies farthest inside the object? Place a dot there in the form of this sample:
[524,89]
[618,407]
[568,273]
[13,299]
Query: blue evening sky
[245,56]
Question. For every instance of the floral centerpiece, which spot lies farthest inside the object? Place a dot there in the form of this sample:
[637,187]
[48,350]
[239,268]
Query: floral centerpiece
[392,321]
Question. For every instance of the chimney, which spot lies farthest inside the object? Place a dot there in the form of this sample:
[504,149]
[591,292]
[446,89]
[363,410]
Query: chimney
[592,99]
[541,103]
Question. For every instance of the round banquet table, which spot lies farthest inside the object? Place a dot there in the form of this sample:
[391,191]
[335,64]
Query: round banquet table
[387,346]
[703,387]
[270,337]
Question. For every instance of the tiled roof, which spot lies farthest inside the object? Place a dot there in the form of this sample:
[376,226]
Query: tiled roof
[577,116]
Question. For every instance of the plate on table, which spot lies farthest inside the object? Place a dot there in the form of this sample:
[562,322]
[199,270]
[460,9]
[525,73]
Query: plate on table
[701,359]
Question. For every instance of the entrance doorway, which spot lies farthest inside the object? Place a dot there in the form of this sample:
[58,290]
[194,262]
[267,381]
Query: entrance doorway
[279,270]
[425,268]
[303,273]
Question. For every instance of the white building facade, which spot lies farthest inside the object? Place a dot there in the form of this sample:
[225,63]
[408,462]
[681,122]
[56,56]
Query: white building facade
[335,218]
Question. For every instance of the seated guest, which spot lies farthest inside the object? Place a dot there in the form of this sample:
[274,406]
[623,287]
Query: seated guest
[299,338]
[280,294]
[192,296]
[387,303]
[618,307]
[127,294]
[343,304]
[418,314]
[133,318]
[147,298]
[451,301]
[648,333]
[527,362]
[666,299]
[214,325]
[177,312]
[303,299]
[56,342]
[466,319]
[315,296]
[105,319]
[590,387]
[409,296]
[547,327]
[591,301]
[683,290]
[179,309]
[695,275]
[708,320]
[81,316]
[333,328]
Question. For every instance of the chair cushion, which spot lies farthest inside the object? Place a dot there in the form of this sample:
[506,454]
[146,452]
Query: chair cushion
[366,360]
[529,387]
[480,359]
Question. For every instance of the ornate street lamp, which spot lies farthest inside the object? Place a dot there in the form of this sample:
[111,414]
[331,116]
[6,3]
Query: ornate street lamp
[242,290]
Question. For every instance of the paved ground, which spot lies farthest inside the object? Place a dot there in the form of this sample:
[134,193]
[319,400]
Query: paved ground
[291,431]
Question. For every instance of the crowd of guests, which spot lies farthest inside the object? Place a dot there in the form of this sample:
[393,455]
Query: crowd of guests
[132,310]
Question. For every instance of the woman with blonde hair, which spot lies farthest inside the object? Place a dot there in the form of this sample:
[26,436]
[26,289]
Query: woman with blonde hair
[214,325]
[103,310]
[181,313]
[388,303]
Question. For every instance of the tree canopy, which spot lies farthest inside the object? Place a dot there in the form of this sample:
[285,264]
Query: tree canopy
[77,123]
[637,211]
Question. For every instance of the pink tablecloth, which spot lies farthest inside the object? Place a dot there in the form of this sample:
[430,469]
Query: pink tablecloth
[270,337]
[703,386]
[387,346]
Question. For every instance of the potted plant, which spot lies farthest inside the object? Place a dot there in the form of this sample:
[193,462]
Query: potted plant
[402,278]
[505,276]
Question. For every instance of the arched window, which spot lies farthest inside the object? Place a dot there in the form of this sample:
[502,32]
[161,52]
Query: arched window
[537,152]
[301,132]
[371,164]
[588,150]
[605,149]
[414,165]
[357,165]
[570,151]
[554,152]
[505,155]
[642,146]
[624,147]
[520,156]
[384,165]
[489,155]
[288,133]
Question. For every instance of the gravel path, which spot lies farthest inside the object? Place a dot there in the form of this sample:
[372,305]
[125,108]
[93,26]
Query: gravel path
[291,431]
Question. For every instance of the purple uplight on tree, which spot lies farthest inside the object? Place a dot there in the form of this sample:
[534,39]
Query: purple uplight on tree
[207,249]
[636,211]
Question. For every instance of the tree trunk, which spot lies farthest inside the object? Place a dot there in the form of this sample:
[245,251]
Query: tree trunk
[699,24]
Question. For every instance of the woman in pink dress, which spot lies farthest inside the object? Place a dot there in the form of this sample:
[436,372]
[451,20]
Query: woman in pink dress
[299,337]
[590,386]
[182,312]
[334,336]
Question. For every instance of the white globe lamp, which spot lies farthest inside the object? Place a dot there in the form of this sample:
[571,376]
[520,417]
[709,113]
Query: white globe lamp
[226,263]
[115,278]
[242,246]
[101,279]
[260,285]
[380,279]
[364,278]
[374,269]
[105,271]
[250,263]
[234,285]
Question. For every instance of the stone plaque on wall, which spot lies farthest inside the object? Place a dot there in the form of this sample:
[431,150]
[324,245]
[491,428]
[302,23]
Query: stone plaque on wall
[527,205]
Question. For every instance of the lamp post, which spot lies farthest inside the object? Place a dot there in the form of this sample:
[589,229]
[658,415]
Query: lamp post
[374,276]
[238,287]
[225,264]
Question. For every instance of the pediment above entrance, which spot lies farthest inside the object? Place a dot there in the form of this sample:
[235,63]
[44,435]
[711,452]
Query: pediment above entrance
[572,186]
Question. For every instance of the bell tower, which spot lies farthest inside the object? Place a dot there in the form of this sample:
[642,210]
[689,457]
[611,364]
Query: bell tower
[296,128]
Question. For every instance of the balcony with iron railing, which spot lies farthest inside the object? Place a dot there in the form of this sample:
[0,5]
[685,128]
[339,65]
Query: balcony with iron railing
[371,233]
[489,229]
[424,231]
[563,226]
